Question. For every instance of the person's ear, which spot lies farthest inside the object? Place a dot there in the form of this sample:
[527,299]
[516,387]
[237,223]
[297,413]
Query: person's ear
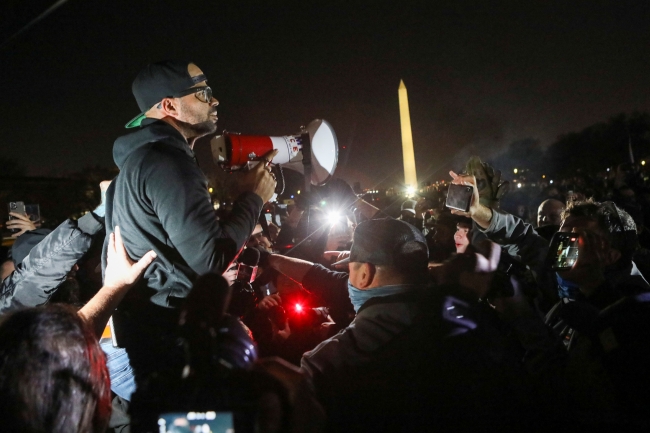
[168,107]
[366,274]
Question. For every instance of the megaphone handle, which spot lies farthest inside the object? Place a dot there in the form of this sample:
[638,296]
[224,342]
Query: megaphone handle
[306,159]
[265,226]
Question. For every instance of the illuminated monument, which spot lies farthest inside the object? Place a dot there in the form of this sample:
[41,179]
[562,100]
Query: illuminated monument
[410,179]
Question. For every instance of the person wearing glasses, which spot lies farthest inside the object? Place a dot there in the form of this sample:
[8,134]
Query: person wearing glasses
[160,201]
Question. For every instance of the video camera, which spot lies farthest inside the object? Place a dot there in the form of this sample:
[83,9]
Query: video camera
[219,389]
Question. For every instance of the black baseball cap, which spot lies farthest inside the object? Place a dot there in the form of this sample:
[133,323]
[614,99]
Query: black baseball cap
[158,81]
[389,242]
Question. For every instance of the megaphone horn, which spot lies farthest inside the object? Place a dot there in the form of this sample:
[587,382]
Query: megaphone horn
[233,151]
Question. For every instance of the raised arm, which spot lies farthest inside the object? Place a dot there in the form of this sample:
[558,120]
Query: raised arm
[121,274]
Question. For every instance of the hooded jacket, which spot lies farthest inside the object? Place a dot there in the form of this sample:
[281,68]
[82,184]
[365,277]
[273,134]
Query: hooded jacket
[160,201]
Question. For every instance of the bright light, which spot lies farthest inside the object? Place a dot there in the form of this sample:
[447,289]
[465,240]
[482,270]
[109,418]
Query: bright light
[543,176]
[292,196]
[323,203]
[298,308]
[298,192]
[515,170]
[210,190]
[216,206]
[551,181]
[333,218]
[518,185]
[642,162]
[608,169]
[410,191]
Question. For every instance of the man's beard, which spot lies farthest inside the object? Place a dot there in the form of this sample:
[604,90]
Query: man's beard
[197,130]
[197,127]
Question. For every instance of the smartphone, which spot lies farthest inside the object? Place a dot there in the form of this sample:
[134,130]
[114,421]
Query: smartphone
[215,422]
[33,211]
[563,251]
[459,197]
[269,217]
[16,207]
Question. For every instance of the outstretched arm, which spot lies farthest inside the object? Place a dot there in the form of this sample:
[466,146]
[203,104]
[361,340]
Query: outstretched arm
[121,274]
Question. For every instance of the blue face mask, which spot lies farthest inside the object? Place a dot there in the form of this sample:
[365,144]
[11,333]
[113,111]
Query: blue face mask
[566,288]
[359,297]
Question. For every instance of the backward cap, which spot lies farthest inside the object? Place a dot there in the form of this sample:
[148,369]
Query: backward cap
[160,80]
[389,242]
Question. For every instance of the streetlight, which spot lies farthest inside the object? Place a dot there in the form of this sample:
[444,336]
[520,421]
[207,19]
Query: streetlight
[515,170]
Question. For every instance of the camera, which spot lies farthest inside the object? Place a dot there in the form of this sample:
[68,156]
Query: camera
[563,252]
[219,388]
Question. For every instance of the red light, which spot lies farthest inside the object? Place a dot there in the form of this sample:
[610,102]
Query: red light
[298,308]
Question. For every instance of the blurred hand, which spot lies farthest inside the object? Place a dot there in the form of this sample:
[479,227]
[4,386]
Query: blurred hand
[337,256]
[121,271]
[268,302]
[20,222]
[472,272]
[274,231]
[231,274]
[103,187]
[260,180]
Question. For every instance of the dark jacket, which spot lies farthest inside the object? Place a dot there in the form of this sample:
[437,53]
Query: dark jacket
[160,201]
[607,337]
[419,359]
[36,279]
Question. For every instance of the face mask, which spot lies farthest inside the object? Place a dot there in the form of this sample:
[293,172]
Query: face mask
[566,288]
[357,297]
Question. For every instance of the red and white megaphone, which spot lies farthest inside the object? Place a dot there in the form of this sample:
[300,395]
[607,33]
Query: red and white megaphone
[234,151]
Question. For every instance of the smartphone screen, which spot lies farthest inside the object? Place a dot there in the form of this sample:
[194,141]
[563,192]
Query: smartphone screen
[459,197]
[564,248]
[213,422]
[269,218]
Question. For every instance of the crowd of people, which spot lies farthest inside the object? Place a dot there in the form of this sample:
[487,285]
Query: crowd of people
[153,313]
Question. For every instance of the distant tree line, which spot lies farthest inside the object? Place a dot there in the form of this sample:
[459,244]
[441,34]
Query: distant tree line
[592,150]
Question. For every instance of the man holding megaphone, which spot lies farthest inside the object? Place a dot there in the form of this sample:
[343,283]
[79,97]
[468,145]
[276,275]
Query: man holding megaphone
[160,201]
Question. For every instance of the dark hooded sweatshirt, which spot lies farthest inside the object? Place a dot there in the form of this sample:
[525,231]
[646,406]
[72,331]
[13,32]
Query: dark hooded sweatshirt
[160,201]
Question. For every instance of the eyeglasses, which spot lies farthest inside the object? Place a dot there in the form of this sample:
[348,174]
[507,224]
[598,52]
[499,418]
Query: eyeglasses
[203,94]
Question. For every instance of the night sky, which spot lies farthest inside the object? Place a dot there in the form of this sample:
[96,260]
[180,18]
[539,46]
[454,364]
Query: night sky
[480,74]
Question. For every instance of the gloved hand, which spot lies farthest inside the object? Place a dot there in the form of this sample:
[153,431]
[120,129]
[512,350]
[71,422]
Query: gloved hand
[488,182]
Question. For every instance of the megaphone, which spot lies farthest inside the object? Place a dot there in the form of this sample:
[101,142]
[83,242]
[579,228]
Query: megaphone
[314,152]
